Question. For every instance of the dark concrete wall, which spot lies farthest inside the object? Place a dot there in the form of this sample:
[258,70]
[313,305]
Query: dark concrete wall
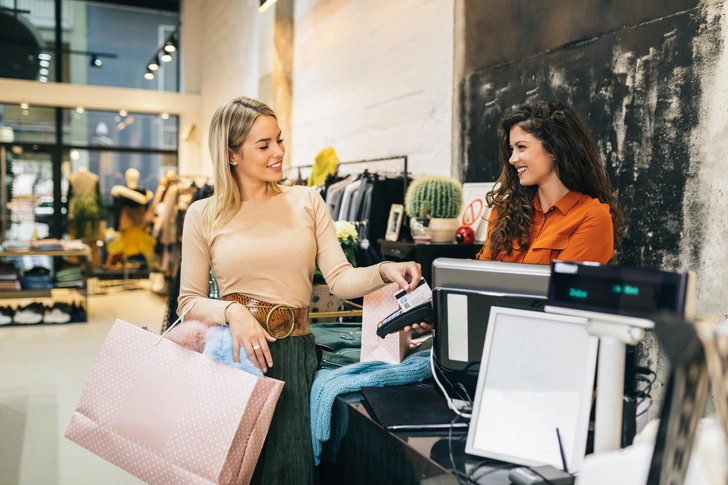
[637,84]
[499,31]
[651,80]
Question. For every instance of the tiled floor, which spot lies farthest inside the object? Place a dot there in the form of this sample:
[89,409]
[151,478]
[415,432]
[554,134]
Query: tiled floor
[43,370]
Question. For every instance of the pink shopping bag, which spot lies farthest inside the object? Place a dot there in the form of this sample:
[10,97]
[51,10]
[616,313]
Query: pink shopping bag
[169,415]
[394,347]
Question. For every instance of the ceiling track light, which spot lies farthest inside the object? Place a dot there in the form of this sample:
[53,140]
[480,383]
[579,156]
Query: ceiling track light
[265,5]
[95,62]
[163,54]
[170,45]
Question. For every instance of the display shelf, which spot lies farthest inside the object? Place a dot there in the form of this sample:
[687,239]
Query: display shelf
[19,294]
[59,291]
[84,253]
[41,324]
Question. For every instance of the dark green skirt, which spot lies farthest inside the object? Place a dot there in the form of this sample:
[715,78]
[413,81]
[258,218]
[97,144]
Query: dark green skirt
[287,455]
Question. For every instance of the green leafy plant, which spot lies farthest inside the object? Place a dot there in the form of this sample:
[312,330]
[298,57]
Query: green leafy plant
[347,235]
[434,196]
[87,214]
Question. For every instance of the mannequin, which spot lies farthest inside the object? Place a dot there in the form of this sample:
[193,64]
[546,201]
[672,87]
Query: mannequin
[82,185]
[130,206]
[84,198]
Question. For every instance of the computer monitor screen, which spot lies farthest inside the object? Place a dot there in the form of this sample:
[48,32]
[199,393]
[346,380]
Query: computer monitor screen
[537,375]
[464,292]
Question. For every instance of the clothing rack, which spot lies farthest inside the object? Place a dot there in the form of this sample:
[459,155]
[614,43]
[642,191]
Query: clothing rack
[398,164]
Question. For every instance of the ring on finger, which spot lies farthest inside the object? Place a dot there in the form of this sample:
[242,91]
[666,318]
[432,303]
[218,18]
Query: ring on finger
[256,347]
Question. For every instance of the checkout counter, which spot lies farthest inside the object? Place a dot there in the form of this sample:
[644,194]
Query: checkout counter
[369,453]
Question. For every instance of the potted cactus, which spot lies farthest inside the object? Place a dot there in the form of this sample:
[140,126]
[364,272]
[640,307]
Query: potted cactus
[439,199]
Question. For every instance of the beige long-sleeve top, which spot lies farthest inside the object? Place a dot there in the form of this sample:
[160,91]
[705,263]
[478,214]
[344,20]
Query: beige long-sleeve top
[268,251]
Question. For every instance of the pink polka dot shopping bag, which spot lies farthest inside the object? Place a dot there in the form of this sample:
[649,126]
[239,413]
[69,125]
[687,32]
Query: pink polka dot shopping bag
[169,415]
[394,347]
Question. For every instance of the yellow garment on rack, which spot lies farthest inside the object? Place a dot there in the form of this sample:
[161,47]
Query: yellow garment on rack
[134,241]
[326,162]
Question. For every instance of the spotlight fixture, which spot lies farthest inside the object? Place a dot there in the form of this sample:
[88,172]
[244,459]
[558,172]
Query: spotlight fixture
[149,75]
[80,110]
[95,61]
[265,5]
[154,64]
[166,57]
[122,113]
[44,57]
[44,72]
[165,116]
[44,64]
[23,105]
[170,46]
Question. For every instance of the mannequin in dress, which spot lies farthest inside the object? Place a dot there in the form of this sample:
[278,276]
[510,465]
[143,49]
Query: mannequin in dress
[130,205]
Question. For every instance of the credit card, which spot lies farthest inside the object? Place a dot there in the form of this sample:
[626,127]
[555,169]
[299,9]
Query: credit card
[416,297]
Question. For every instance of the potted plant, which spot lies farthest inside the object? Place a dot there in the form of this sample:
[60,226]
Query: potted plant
[438,199]
[321,298]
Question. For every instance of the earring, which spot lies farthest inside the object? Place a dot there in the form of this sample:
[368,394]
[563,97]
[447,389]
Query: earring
[234,164]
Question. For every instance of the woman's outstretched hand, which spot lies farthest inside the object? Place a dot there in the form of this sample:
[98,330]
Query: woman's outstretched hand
[248,333]
[406,275]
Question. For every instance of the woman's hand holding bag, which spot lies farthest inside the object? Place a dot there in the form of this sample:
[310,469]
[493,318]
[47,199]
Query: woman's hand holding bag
[248,333]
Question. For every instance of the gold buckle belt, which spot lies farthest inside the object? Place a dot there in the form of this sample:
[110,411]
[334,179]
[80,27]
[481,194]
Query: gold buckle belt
[280,321]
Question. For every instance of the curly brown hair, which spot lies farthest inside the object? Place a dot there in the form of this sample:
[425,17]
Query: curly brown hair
[578,165]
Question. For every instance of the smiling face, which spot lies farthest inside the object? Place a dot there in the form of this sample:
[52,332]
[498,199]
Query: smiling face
[534,165]
[260,158]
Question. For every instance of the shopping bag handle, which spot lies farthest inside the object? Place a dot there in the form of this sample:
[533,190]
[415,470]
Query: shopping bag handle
[179,320]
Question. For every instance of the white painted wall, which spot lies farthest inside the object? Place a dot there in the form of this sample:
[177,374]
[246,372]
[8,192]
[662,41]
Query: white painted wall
[222,60]
[374,78]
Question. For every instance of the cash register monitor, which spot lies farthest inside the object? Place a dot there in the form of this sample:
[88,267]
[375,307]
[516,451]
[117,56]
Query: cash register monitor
[463,293]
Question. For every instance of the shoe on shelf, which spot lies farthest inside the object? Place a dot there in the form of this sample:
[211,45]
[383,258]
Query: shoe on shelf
[29,314]
[6,315]
[56,315]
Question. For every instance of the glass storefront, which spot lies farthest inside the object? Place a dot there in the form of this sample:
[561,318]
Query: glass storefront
[37,160]
[101,43]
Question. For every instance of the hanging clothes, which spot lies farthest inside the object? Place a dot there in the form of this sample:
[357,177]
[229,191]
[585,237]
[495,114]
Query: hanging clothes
[325,165]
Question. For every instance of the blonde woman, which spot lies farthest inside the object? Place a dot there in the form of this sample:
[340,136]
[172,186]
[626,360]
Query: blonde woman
[263,242]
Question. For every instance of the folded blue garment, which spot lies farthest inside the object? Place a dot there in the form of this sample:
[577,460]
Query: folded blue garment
[219,347]
[326,433]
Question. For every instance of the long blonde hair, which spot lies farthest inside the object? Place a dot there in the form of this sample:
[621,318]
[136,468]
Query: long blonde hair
[229,128]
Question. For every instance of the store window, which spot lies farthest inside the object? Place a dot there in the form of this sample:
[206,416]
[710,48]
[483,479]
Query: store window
[111,168]
[27,124]
[119,129]
[38,163]
[27,192]
[109,43]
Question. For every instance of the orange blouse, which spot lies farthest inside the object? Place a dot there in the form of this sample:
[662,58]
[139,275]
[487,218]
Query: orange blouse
[576,228]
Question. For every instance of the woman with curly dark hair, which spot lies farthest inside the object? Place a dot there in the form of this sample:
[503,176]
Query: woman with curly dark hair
[553,199]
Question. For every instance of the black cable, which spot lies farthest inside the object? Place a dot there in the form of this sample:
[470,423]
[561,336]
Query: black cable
[452,457]
[646,409]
